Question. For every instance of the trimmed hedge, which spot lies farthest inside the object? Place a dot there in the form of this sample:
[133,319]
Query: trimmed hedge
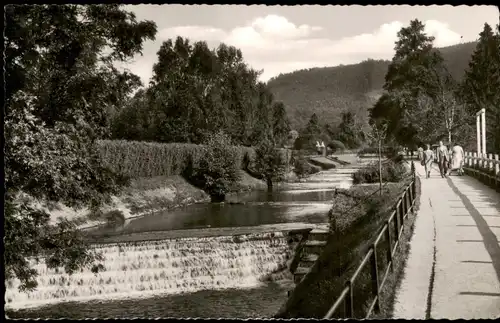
[322,162]
[149,159]
[388,151]
[302,167]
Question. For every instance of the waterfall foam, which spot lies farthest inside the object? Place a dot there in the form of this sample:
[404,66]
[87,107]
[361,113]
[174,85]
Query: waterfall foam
[150,268]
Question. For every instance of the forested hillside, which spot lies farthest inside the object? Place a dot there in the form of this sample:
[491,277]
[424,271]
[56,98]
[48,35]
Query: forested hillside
[328,91]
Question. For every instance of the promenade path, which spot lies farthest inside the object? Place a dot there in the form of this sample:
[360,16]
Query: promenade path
[453,267]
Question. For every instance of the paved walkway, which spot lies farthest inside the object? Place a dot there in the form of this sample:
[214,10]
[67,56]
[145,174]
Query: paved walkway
[453,268]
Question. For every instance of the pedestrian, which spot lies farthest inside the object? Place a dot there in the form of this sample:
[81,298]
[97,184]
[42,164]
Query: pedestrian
[457,159]
[427,160]
[443,159]
[420,153]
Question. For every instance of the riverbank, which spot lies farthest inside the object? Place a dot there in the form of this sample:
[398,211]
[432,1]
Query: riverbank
[145,196]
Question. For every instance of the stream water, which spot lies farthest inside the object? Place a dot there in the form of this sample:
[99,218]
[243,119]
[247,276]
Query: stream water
[225,276]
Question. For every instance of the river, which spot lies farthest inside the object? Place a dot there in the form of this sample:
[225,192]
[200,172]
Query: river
[190,272]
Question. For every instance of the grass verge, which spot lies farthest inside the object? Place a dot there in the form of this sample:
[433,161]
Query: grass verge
[393,282]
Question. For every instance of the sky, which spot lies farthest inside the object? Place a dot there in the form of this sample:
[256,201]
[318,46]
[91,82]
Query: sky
[281,39]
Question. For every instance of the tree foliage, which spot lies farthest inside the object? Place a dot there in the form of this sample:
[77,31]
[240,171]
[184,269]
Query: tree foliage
[480,87]
[310,134]
[349,132]
[196,91]
[218,167]
[420,101]
[269,163]
[61,86]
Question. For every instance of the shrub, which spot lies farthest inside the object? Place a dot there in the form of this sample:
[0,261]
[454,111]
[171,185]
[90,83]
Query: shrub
[392,171]
[335,145]
[217,169]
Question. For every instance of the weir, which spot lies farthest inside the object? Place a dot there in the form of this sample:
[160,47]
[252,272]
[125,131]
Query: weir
[150,268]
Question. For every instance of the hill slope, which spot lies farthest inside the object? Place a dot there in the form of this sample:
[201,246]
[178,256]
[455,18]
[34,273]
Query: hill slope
[327,91]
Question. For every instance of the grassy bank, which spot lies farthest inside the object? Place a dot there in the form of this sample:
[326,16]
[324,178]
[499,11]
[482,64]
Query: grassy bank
[393,282]
[148,195]
[143,195]
[355,224]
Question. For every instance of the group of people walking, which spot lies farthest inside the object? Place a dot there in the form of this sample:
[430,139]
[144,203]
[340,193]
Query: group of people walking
[448,160]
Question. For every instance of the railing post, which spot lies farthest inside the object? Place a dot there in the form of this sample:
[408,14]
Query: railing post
[349,303]
[410,195]
[490,162]
[389,241]
[396,224]
[497,165]
[409,201]
[375,288]
[497,171]
[401,214]
[406,208]
[475,160]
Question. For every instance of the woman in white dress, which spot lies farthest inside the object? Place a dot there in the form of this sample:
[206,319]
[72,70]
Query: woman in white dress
[457,159]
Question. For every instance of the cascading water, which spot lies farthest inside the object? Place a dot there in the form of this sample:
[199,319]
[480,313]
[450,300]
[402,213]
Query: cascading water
[148,268]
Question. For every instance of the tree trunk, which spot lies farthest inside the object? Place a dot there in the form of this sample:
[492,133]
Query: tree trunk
[269,184]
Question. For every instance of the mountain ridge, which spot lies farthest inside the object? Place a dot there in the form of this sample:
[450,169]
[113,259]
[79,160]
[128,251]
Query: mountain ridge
[328,91]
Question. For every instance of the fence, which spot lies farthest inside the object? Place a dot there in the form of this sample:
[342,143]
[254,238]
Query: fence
[485,167]
[403,207]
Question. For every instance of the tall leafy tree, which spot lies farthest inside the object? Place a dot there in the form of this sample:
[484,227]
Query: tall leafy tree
[420,90]
[479,88]
[348,132]
[310,134]
[281,124]
[196,91]
[56,98]
[269,163]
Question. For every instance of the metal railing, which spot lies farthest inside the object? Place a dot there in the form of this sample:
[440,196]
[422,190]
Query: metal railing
[395,222]
[486,167]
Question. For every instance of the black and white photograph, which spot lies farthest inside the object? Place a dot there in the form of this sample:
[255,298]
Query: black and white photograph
[251,161]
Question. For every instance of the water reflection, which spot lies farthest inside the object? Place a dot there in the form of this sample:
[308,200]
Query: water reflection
[205,215]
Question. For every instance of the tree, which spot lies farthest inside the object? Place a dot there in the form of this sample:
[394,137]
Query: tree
[378,134]
[269,163]
[419,90]
[479,88]
[57,96]
[310,134]
[281,124]
[349,132]
[196,91]
[218,168]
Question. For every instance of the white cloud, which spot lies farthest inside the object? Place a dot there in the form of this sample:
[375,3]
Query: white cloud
[278,46]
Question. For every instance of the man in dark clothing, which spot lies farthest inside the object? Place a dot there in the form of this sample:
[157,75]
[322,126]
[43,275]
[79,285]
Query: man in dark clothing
[443,159]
